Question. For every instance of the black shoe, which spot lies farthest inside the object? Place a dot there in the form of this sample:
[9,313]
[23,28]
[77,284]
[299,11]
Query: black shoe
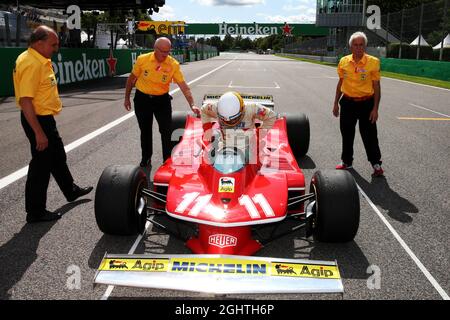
[78,192]
[145,163]
[42,216]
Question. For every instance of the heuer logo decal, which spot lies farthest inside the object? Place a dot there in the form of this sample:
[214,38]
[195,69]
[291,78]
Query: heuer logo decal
[222,240]
[226,184]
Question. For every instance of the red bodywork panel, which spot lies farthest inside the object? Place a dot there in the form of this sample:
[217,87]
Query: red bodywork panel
[226,205]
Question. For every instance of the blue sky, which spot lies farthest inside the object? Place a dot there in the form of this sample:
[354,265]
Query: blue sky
[215,11]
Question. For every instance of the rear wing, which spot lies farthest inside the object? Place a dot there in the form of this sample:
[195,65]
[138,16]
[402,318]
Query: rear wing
[265,100]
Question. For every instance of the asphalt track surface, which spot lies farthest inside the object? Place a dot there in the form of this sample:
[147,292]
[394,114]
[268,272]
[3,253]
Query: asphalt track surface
[404,228]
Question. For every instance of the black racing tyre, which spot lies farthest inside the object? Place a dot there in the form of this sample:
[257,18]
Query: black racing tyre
[298,133]
[336,217]
[119,207]
[178,122]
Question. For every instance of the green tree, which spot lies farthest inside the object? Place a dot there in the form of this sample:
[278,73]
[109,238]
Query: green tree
[247,44]
[227,43]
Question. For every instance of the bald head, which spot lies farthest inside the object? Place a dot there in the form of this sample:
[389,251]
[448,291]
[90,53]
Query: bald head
[162,48]
[163,41]
[41,33]
[44,40]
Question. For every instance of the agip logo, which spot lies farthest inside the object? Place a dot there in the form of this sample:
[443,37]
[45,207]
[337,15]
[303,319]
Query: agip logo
[226,184]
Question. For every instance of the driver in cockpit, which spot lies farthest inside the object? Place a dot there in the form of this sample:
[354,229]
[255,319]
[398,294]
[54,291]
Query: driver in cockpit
[237,121]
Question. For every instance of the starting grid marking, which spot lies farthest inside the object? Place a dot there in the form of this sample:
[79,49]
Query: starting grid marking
[446,117]
[423,119]
[231,86]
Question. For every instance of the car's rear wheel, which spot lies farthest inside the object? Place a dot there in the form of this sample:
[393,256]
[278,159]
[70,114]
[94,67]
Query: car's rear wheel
[120,208]
[336,210]
[298,134]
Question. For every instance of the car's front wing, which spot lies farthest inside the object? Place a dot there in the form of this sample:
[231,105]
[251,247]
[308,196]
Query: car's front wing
[220,274]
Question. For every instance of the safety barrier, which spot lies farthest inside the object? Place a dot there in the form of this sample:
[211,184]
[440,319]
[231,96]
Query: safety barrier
[439,70]
[76,65]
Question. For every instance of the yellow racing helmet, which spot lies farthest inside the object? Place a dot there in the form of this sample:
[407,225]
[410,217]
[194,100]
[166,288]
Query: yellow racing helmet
[230,109]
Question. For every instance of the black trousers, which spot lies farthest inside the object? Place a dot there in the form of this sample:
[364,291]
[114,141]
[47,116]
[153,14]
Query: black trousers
[351,113]
[52,160]
[145,107]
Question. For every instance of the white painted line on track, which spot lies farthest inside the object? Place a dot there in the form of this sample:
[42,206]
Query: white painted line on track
[110,288]
[416,260]
[5,181]
[213,86]
[423,108]
[231,86]
[250,87]
[417,84]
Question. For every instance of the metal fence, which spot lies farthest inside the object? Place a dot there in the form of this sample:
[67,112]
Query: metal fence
[398,31]
[317,47]
[430,20]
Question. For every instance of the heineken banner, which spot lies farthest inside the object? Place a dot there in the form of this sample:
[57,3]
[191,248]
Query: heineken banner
[224,28]
[257,29]
[75,65]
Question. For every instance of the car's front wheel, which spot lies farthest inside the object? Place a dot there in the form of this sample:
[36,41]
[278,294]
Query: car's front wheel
[336,209]
[120,208]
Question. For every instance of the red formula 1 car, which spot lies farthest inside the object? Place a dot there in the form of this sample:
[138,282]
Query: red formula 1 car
[234,201]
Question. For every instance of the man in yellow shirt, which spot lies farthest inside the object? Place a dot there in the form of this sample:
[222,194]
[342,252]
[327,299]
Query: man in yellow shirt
[358,93]
[37,96]
[152,74]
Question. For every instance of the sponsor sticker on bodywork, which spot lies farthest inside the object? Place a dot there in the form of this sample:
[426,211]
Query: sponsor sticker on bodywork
[221,274]
[222,240]
[147,265]
[226,184]
[222,265]
[219,266]
[305,270]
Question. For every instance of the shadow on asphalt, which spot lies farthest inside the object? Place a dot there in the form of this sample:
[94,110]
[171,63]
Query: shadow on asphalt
[306,163]
[69,206]
[94,85]
[112,245]
[351,260]
[154,242]
[381,194]
[19,253]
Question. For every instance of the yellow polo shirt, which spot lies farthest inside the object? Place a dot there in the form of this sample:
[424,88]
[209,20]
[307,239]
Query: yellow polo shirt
[358,77]
[154,77]
[34,77]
